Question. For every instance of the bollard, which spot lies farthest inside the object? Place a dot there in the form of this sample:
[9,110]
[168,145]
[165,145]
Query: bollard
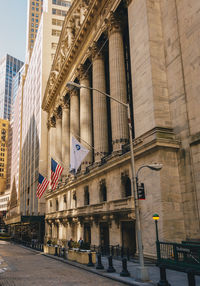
[122,252]
[191,278]
[124,272]
[163,279]
[128,254]
[90,263]
[56,250]
[112,250]
[63,253]
[110,269]
[99,264]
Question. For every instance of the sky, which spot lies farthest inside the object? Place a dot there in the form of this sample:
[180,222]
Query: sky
[13,16]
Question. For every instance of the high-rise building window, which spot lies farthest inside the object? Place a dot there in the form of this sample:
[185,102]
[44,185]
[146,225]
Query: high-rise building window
[56,33]
[57,22]
[61,3]
[59,12]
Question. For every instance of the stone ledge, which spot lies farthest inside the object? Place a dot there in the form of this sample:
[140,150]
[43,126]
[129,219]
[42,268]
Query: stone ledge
[158,137]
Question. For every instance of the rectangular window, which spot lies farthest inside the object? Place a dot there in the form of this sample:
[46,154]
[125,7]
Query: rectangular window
[57,22]
[59,12]
[54,46]
[56,33]
[61,3]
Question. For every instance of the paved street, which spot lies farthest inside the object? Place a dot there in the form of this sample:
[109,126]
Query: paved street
[23,267]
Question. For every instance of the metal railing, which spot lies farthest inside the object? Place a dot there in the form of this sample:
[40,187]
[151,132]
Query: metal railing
[31,244]
[180,255]
[115,251]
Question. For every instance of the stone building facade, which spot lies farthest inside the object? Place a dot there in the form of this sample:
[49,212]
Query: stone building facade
[145,52]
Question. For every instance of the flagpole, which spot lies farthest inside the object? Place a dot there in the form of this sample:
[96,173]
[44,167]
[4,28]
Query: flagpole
[75,135]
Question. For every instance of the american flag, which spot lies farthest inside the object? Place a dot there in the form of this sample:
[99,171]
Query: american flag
[56,171]
[42,185]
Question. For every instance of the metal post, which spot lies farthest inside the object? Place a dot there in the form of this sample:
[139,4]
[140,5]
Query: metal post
[156,223]
[142,272]
[163,279]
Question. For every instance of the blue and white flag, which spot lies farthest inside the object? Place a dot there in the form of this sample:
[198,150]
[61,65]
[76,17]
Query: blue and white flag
[77,154]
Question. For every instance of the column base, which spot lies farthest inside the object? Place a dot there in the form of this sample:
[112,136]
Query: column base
[142,273]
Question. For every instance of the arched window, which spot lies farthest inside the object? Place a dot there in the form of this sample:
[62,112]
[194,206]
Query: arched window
[103,191]
[86,196]
[126,185]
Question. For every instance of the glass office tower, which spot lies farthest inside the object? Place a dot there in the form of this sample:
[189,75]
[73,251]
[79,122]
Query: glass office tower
[9,66]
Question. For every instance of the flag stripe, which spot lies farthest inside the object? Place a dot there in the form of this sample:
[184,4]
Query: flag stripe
[55,175]
[42,190]
[42,185]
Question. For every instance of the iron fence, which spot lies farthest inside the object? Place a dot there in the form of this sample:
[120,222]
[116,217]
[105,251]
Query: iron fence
[115,251]
[180,255]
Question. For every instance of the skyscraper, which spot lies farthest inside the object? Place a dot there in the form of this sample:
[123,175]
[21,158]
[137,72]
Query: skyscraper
[33,151]
[34,12]
[4,129]
[9,66]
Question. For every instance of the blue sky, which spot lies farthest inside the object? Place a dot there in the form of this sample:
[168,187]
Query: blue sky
[13,14]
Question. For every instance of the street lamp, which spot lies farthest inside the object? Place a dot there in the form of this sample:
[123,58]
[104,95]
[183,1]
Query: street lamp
[154,167]
[142,272]
[156,218]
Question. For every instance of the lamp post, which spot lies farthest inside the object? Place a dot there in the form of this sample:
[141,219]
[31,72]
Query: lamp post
[156,218]
[154,167]
[142,271]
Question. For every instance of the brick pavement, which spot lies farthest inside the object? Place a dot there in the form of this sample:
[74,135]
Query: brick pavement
[30,268]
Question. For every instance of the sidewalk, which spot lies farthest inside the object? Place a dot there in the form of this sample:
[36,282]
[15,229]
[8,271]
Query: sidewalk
[175,278]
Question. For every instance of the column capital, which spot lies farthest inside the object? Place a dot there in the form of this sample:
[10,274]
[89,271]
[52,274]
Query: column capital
[52,122]
[58,112]
[127,2]
[95,51]
[114,24]
[83,72]
[64,103]
[74,92]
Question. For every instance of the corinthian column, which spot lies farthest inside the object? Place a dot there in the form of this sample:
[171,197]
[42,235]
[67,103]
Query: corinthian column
[74,115]
[65,137]
[117,84]
[58,142]
[85,115]
[51,143]
[100,120]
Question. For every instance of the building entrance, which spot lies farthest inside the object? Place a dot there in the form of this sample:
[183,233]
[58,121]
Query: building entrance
[128,236]
[87,233]
[104,234]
